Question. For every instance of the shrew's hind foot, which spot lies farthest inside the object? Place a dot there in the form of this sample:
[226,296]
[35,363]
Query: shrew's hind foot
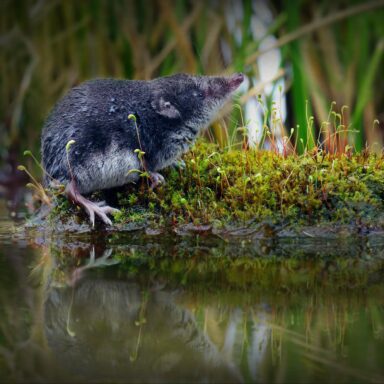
[92,208]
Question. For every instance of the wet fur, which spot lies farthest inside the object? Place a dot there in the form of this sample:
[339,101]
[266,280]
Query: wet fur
[95,115]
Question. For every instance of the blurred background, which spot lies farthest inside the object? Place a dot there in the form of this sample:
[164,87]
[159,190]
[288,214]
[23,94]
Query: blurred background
[313,68]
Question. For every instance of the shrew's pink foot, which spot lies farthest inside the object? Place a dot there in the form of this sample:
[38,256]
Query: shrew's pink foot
[156,179]
[99,208]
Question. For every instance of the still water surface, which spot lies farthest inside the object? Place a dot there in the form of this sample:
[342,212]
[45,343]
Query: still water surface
[139,308]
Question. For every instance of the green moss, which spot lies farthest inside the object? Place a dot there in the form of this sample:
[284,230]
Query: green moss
[238,186]
[248,187]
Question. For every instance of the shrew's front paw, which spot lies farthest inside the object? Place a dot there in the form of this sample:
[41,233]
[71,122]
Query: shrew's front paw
[179,164]
[156,179]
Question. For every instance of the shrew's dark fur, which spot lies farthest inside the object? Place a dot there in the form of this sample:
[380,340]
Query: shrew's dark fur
[169,111]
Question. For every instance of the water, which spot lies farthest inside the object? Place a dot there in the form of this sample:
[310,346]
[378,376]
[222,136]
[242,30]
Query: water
[142,308]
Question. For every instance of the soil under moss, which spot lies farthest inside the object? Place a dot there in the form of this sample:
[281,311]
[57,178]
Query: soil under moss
[251,191]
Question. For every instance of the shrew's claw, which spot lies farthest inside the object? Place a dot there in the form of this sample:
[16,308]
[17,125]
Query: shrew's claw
[93,209]
[99,210]
[156,179]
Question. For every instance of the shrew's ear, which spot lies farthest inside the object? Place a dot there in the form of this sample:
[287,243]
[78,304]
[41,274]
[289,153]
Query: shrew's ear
[164,107]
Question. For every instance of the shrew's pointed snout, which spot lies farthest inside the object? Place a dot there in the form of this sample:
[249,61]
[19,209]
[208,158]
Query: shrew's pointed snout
[235,80]
[222,87]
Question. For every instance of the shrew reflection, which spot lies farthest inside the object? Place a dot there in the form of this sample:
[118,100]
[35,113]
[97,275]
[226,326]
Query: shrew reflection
[101,328]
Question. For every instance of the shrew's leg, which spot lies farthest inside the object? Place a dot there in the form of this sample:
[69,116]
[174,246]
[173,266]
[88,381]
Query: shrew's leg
[99,209]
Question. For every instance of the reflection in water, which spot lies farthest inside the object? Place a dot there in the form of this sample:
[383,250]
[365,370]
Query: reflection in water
[68,319]
[106,330]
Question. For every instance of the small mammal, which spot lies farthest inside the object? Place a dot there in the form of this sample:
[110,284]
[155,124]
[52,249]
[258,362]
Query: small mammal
[169,113]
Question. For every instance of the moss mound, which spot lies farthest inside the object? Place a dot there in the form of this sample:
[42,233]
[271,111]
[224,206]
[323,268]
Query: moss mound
[241,186]
[245,188]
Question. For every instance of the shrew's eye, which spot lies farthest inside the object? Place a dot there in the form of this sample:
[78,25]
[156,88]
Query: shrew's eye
[198,94]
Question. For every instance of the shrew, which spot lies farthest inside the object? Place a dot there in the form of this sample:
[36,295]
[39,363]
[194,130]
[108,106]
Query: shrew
[169,112]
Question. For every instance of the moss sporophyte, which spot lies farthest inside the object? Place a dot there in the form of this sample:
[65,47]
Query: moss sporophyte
[236,187]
